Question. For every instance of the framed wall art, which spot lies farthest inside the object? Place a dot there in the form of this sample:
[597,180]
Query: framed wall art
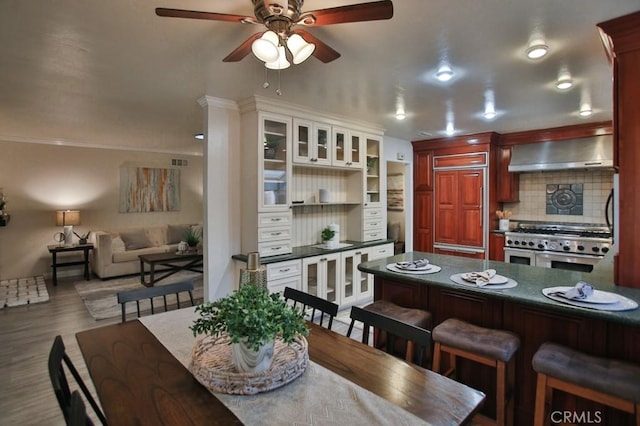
[146,189]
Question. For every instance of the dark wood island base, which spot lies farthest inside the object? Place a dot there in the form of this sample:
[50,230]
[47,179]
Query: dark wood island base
[525,311]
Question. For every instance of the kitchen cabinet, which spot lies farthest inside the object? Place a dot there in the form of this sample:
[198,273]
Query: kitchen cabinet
[459,207]
[372,185]
[496,246]
[423,221]
[311,142]
[284,274]
[423,170]
[275,166]
[321,276]
[508,183]
[356,286]
[347,148]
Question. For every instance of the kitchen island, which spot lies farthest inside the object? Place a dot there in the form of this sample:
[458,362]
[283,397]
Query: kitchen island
[525,311]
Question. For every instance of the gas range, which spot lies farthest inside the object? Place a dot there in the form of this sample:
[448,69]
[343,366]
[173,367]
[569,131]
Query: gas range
[570,238]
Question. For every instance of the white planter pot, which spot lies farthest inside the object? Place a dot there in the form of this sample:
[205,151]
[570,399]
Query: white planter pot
[247,360]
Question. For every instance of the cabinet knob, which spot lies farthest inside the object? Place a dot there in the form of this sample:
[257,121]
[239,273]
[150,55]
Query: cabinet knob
[285,270]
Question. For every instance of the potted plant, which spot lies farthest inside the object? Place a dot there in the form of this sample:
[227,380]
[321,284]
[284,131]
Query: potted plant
[253,319]
[191,238]
[270,147]
[327,235]
[82,238]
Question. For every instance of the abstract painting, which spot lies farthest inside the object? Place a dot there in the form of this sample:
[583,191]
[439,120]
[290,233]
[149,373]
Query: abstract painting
[395,192]
[144,189]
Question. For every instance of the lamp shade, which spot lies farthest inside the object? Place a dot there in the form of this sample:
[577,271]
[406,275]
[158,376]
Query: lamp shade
[67,217]
[266,47]
[299,48]
[280,63]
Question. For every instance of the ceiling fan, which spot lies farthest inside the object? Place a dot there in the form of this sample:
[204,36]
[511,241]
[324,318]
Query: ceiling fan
[281,17]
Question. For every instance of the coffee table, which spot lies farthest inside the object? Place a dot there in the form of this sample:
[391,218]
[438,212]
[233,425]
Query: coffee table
[173,262]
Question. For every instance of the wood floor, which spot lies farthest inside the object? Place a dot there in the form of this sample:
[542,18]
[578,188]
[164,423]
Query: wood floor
[26,336]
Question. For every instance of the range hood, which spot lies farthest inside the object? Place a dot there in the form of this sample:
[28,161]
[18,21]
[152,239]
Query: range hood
[595,152]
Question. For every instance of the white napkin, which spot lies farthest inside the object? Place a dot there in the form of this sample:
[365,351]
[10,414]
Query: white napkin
[580,291]
[412,266]
[481,278]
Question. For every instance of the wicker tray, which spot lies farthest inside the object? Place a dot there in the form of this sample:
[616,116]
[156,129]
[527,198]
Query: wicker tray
[211,365]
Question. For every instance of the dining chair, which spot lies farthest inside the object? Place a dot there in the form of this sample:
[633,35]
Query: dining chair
[314,302]
[394,329]
[151,292]
[77,412]
[58,358]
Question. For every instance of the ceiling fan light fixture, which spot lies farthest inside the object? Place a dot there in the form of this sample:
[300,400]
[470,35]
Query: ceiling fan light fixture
[537,49]
[281,62]
[299,48]
[266,47]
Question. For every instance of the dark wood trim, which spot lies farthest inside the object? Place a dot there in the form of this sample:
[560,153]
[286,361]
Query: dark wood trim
[620,35]
[558,133]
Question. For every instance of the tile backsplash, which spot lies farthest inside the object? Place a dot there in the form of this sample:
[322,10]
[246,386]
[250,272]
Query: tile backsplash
[532,206]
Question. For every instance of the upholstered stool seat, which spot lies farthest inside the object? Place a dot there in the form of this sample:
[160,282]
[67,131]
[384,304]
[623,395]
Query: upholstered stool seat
[607,381]
[494,348]
[411,316]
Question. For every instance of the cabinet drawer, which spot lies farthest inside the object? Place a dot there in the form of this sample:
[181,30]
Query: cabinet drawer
[375,223]
[372,214]
[373,234]
[272,248]
[461,160]
[279,270]
[274,219]
[379,252]
[273,234]
[277,286]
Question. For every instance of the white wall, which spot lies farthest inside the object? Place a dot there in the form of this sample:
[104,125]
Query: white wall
[400,150]
[39,179]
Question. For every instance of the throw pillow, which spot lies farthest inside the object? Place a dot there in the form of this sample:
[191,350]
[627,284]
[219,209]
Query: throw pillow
[135,239]
[117,245]
[176,233]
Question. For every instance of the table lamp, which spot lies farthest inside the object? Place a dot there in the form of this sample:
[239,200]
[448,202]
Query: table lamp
[66,219]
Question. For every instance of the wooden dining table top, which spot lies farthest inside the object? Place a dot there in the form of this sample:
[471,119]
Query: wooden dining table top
[138,381]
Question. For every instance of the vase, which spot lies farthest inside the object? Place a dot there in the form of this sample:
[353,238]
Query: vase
[247,360]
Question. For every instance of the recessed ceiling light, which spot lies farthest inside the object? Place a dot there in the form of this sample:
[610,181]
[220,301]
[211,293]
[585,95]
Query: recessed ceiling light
[585,110]
[564,81]
[400,115]
[445,73]
[537,48]
[199,136]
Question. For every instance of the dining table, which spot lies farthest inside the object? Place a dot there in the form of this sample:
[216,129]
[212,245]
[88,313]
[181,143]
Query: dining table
[140,370]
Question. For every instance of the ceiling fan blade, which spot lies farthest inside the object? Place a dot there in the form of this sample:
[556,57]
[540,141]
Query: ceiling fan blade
[322,51]
[373,11]
[243,50]
[211,16]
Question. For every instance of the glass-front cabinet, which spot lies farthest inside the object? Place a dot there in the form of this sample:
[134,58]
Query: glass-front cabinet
[357,286]
[321,276]
[347,148]
[275,132]
[311,142]
[373,196]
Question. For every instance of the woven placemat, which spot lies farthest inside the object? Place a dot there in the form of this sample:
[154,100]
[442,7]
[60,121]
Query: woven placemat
[212,365]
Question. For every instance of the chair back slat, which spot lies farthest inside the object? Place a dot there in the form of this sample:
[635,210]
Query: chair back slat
[393,328]
[316,303]
[151,292]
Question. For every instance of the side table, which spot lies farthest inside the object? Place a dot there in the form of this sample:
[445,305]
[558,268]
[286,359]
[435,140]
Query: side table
[55,249]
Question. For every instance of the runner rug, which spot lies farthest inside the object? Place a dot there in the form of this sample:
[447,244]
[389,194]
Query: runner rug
[23,291]
[100,297]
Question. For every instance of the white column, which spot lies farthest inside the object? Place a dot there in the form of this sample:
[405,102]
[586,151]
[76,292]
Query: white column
[221,235]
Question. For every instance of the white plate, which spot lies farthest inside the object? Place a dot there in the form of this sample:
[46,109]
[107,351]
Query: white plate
[457,278]
[496,279]
[601,297]
[432,269]
[623,303]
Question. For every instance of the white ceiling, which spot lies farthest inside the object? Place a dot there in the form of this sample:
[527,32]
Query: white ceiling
[113,73]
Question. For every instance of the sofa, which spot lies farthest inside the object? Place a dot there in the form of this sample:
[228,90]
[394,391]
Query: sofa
[115,252]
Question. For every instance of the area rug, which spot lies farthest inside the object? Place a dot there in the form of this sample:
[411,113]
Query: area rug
[101,301]
[23,291]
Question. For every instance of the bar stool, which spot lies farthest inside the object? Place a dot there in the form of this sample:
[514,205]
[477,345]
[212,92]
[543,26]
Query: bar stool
[412,316]
[606,381]
[494,348]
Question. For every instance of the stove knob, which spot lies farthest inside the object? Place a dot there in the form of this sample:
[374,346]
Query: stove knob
[530,243]
[540,246]
[605,249]
[581,248]
[509,242]
[595,249]
[566,248]
[517,243]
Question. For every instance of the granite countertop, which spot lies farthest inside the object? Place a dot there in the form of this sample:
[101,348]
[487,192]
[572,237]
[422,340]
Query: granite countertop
[310,251]
[531,280]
